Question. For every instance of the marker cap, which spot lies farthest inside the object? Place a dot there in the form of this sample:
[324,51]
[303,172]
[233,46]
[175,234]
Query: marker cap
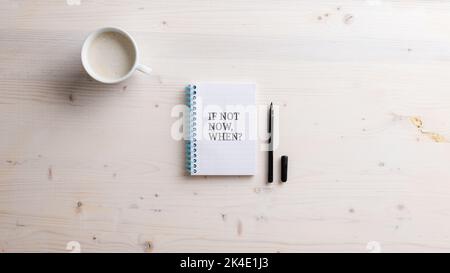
[284,168]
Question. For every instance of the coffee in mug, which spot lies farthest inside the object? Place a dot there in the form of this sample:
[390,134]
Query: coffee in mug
[110,55]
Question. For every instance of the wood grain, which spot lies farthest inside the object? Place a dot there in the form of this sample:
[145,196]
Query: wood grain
[363,90]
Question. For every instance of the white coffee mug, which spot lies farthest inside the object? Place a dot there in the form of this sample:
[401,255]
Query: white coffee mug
[88,67]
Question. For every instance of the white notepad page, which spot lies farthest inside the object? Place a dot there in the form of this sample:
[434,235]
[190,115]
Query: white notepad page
[225,129]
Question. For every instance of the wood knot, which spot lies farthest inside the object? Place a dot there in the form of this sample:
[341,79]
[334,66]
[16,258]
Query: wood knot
[148,246]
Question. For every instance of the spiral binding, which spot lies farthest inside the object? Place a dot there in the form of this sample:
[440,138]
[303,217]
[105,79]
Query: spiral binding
[191,140]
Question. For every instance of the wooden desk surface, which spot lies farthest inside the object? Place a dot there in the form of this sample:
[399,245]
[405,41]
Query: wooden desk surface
[364,95]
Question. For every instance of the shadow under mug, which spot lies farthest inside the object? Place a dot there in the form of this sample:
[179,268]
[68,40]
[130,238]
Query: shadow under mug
[136,65]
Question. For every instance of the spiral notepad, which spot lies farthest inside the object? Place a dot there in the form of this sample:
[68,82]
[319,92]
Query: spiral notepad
[221,135]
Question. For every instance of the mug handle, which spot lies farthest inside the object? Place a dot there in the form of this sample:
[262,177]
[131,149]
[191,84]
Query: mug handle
[144,69]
